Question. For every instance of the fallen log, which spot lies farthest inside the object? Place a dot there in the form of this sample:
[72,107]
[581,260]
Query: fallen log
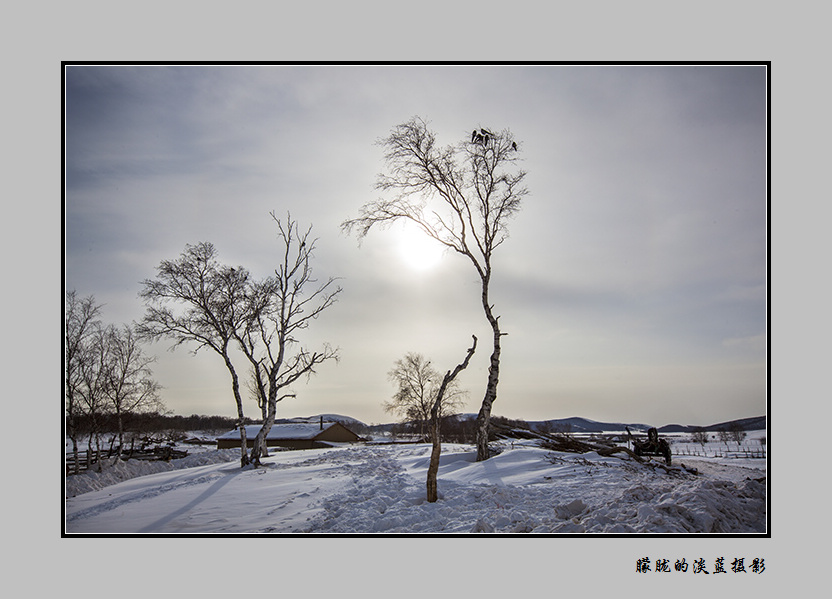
[560,442]
[557,442]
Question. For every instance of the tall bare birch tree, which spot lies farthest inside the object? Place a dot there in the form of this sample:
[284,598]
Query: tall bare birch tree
[461,196]
[278,308]
[195,299]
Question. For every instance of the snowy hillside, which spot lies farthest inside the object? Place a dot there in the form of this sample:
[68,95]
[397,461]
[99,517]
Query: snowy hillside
[365,489]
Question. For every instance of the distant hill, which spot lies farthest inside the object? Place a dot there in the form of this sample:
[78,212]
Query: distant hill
[583,425]
[345,420]
[577,424]
[757,423]
[574,424]
[747,424]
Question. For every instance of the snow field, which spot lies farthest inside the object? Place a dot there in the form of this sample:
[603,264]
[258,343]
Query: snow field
[381,490]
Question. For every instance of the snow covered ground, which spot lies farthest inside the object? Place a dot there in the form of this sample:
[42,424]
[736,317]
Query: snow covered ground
[380,489]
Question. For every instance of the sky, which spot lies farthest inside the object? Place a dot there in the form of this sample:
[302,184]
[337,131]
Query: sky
[633,286]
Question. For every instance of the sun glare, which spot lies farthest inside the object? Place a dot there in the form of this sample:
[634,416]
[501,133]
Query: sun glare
[418,251]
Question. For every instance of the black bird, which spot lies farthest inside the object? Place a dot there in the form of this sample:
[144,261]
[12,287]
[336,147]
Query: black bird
[514,146]
[474,136]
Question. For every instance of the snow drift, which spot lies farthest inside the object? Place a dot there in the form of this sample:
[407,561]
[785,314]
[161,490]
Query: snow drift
[381,490]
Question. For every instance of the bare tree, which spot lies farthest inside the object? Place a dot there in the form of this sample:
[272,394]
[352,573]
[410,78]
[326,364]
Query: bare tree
[736,433]
[80,324]
[724,436]
[545,426]
[435,420]
[461,196]
[417,384]
[92,391]
[699,435]
[209,299]
[563,428]
[128,383]
[277,309]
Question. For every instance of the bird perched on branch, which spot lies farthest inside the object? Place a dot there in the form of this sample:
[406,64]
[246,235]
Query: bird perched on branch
[481,137]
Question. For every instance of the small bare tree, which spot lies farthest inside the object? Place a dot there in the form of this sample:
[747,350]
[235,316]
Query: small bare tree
[435,420]
[93,392]
[562,428]
[545,427]
[129,385]
[699,435]
[736,433]
[462,197]
[80,326]
[724,436]
[417,384]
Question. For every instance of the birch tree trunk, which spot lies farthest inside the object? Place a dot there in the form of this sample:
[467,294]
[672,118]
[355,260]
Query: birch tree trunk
[260,448]
[436,451]
[484,415]
[235,387]
[120,421]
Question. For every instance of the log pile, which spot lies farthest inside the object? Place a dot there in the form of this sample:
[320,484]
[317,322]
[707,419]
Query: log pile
[565,443]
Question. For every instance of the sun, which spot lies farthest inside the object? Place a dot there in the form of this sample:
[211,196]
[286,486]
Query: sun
[418,251]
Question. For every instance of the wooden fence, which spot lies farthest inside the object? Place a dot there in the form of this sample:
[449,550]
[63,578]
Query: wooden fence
[89,458]
[743,452]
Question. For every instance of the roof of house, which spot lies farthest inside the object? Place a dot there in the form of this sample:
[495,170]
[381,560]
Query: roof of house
[291,430]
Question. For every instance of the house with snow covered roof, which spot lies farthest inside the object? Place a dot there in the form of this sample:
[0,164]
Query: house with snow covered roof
[293,435]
